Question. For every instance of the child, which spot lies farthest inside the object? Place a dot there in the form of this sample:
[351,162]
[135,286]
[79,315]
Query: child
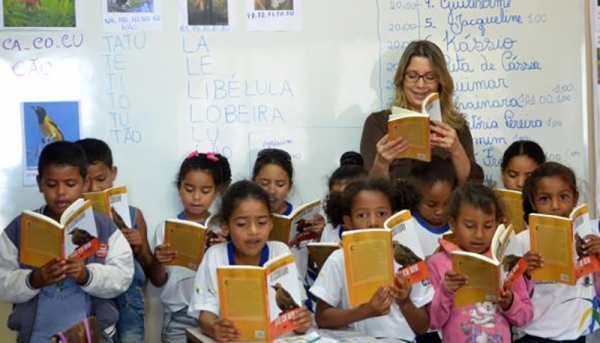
[63,292]
[102,173]
[350,169]
[433,183]
[474,212]
[246,215]
[560,310]
[367,204]
[201,177]
[520,159]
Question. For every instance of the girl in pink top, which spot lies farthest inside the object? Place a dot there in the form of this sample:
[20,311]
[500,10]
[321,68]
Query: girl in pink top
[474,213]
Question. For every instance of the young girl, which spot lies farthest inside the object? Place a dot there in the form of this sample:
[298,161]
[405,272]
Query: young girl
[562,312]
[246,215]
[520,159]
[350,169]
[474,213]
[201,177]
[395,312]
[433,183]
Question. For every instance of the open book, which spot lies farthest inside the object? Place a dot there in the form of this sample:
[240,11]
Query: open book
[415,127]
[513,202]
[368,263]
[261,301]
[559,241]
[488,276]
[188,238]
[75,236]
[320,251]
[407,249]
[290,229]
[114,203]
[86,331]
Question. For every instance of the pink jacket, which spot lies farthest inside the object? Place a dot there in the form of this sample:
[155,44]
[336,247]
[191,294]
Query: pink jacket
[481,322]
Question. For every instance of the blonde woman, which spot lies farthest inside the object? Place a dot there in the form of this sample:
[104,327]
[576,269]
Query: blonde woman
[422,70]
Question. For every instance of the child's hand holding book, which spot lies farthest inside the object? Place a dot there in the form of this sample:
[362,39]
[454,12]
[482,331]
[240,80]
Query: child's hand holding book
[304,321]
[225,331]
[49,274]
[454,281]
[77,270]
[534,261]
[164,254]
[401,288]
[591,245]
[506,299]
[380,303]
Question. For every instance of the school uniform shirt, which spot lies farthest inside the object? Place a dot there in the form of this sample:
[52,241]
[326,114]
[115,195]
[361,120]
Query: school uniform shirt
[428,235]
[206,285]
[332,234]
[331,288]
[561,312]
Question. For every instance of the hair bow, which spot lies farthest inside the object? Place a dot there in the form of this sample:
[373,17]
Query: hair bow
[192,154]
[211,156]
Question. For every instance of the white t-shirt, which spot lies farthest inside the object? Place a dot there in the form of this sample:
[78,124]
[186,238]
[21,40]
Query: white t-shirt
[558,310]
[428,236]
[331,234]
[206,286]
[331,288]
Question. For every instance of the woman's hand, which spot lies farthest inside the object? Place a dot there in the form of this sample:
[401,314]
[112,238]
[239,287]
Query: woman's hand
[444,136]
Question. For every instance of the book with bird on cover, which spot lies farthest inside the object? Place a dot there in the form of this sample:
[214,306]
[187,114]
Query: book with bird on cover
[513,203]
[114,203]
[86,331]
[320,251]
[489,276]
[407,250]
[290,229]
[74,236]
[261,301]
[559,240]
[188,238]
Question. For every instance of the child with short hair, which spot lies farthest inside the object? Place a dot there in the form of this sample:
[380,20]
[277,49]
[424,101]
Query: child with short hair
[520,159]
[102,173]
[560,310]
[200,179]
[246,215]
[63,292]
[474,212]
[396,312]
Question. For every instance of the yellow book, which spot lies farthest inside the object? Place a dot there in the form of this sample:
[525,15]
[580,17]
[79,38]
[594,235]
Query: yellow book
[319,252]
[114,203]
[415,127]
[487,276]
[86,331]
[290,229]
[513,202]
[559,241]
[261,301]
[188,238]
[368,262]
[74,236]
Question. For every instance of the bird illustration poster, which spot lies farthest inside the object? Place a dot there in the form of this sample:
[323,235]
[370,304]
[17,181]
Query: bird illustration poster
[39,14]
[132,15]
[274,15]
[44,123]
[205,15]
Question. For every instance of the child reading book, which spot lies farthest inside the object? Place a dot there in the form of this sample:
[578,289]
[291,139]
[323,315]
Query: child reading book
[63,292]
[394,311]
[246,216]
[201,177]
[474,212]
[520,159]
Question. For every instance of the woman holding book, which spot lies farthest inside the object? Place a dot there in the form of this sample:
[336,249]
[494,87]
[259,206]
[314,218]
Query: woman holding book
[421,71]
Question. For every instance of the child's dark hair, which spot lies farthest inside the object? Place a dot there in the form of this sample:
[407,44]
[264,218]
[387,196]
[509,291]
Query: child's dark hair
[477,195]
[277,157]
[339,204]
[214,164]
[351,168]
[547,169]
[96,150]
[523,148]
[423,175]
[62,153]
[240,191]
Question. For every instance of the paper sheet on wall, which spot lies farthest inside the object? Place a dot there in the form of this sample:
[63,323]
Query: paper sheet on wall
[274,15]
[132,15]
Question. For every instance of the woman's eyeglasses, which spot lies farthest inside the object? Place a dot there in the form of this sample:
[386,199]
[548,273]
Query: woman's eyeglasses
[413,77]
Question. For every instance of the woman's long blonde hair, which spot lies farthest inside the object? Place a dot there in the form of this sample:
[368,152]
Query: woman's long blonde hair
[432,52]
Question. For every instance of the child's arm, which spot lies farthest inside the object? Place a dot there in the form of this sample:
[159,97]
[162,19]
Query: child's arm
[330,317]
[445,283]
[417,318]
[138,240]
[516,304]
[219,330]
[158,273]
[304,321]
[592,246]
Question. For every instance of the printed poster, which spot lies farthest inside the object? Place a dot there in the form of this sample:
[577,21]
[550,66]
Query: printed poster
[40,14]
[132,15]
[274,15]
[205,15]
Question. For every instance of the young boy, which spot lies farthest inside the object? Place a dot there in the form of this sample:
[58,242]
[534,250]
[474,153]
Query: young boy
[63,292]
[102,173]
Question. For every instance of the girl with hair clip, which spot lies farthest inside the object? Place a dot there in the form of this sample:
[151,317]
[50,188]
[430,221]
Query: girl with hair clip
[520,159]
[201,177]
[421,71]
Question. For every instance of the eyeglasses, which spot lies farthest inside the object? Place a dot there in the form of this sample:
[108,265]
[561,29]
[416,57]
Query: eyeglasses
[274,152]
[413,77]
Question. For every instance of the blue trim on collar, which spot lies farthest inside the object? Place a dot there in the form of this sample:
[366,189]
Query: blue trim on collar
[288,209]
[430,228]
[264,254]
[181,216]
[340,231]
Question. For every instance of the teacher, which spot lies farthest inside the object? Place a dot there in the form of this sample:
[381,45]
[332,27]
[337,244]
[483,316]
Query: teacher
[422,70]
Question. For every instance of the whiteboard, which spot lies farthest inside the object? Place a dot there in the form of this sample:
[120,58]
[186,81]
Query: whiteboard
[155,94]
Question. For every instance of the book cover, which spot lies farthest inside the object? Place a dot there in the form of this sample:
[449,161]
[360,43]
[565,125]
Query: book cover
[513,203]
[114,203]
[188,238]
[290,229]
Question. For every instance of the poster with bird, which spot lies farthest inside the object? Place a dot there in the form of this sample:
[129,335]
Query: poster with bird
[132,15]
[39,14]
[44,123]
